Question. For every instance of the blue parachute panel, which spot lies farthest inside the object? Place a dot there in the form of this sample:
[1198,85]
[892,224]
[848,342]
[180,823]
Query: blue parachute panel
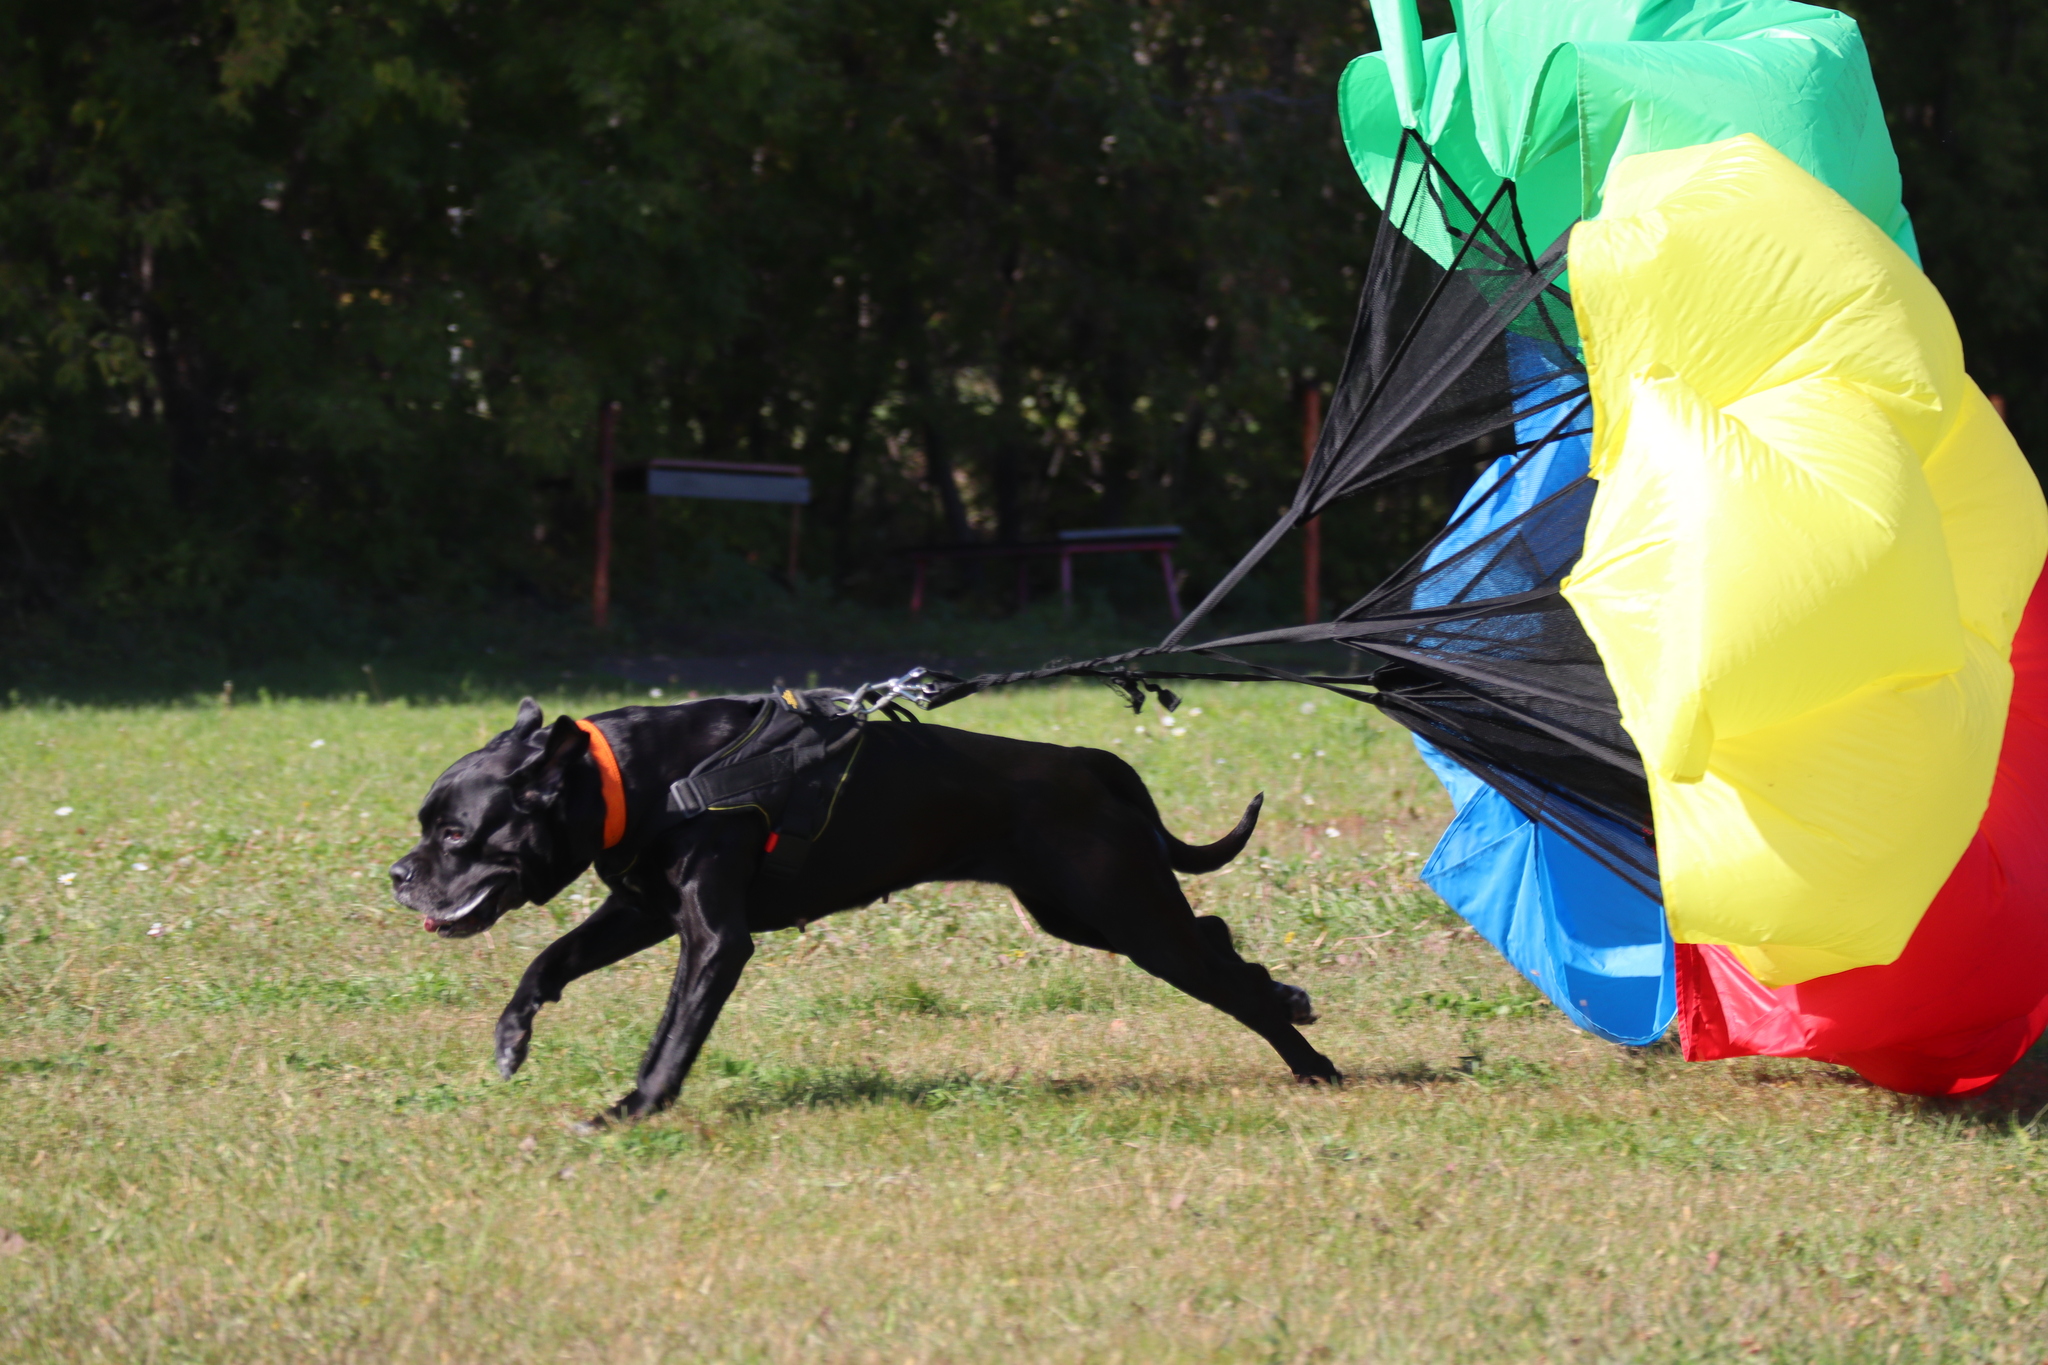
[1591,942]
[1596,946]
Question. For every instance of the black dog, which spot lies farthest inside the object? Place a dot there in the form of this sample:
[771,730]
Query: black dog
[1072,832]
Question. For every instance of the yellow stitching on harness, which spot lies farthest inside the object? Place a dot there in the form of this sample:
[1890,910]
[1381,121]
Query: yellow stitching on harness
[844,773]
[752,730]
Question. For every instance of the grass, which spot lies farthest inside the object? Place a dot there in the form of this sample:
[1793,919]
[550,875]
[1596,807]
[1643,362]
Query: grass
[247,1114]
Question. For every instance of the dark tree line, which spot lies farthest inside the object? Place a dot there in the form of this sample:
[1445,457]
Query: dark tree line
[297,296]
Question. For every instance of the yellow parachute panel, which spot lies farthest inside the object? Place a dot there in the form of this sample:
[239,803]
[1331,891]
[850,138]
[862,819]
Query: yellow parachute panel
[1811,545]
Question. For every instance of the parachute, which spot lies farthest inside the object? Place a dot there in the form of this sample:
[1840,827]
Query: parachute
[1731,661]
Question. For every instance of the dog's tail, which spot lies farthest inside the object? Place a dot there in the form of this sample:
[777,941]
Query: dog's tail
[1123,780]
[1209,857]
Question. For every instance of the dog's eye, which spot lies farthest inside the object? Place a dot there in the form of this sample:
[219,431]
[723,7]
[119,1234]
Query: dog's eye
[451,834]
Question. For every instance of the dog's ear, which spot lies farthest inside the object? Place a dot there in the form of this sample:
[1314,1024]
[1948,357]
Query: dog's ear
[527,723]
[538,781]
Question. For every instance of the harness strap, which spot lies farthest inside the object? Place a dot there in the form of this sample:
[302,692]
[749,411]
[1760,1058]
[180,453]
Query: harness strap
[708,791]
[789,766]
[614,785]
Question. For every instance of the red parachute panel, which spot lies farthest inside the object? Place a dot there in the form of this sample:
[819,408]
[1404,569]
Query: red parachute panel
[1969,995]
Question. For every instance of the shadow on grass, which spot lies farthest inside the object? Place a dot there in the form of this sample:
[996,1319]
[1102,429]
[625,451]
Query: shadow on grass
[1476,1068]
[1408,1074]
[763,1089]
[745,1089]
[2016,1103]
[738,632]
[1797,1073]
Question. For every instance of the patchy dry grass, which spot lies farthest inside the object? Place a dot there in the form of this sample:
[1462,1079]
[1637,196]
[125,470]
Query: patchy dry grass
[269,1131]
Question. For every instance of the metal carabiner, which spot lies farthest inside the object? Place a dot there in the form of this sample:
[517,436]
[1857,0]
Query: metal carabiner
[871,697]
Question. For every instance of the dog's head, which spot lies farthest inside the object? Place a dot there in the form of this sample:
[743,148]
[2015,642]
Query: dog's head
[492,832]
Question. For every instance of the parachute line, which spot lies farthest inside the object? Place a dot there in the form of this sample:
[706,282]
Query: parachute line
[1470,643]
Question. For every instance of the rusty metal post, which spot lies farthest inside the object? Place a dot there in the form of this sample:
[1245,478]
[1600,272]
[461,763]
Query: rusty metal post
[1312,539]
[601,586]
[1172,585]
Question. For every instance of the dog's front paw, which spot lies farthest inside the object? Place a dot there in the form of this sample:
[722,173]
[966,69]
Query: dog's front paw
[514,1036]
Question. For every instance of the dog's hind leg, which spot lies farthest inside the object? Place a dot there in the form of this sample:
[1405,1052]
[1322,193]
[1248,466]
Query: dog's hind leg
[617,929]
[1217,932]
[1241,990]
[1142,914]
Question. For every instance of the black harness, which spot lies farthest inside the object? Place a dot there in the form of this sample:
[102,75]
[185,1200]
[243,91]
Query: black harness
[789,764]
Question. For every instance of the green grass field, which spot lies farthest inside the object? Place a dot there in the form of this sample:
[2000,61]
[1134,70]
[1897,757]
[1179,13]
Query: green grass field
[247,1111]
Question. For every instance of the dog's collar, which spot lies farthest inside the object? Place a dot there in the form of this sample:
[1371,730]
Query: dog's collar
[614,785]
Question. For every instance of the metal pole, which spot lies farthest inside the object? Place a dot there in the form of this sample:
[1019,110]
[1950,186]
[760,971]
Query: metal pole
[601,586]
[1312,541]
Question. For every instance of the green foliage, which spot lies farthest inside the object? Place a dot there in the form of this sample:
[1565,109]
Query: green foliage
[308,309]
[1963,95]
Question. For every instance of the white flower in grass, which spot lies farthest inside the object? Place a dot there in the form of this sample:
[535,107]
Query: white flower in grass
[66,878]
[63,810]
[158,930]
[139,867]
[21,862]
[654,692]
[1307,708]
[1332,832]
[1139,728]
[1194,710]
[319,744]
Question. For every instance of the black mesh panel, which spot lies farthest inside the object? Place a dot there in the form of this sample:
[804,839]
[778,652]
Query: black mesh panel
[1470,644]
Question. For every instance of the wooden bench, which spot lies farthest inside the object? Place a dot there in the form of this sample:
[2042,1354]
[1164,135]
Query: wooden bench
[1159,540]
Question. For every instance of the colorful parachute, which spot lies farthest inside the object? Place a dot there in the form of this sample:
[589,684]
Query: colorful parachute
[1728,661]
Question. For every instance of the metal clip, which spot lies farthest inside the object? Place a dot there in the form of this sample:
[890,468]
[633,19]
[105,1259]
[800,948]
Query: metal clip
[916,687]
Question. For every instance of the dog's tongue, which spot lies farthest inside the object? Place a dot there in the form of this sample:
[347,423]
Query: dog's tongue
[426,924]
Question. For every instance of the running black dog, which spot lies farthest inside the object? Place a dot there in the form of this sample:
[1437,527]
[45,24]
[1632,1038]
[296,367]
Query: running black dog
[1072,832]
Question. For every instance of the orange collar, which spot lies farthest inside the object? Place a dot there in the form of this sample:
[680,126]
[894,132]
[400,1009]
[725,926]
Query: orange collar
[614,785]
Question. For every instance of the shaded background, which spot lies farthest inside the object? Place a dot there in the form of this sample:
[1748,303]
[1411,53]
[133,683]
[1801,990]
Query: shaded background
[307,312]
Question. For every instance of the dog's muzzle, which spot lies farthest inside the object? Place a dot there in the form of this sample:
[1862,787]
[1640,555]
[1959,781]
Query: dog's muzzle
[406,888]
[444,923]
